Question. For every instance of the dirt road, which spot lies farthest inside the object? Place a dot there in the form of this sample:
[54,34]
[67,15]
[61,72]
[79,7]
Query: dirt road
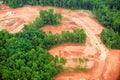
[104,64]
[93,30]
[86,24]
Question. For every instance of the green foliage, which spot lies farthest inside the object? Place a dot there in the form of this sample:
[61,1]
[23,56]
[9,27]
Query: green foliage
[49,17]
[78,68]
[32,65]
[111,19]
[109,16]
[35,36]
[113,4]
[75,60]
[86,4]
[31,2]
[83,64]
[4,37]
[38,23]
[14,3]
[45,18]
[106,11]
[77,36]
[111,39]
[15,45]
[24,56]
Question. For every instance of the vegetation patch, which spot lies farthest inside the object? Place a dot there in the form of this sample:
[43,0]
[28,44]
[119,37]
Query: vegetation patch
[25,56]
[82,64]
[46,17]
[111,39]
[106,11]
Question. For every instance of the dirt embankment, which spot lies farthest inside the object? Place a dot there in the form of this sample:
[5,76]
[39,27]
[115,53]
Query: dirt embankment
[103,64]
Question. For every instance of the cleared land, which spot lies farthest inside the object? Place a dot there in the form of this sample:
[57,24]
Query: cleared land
[103,64]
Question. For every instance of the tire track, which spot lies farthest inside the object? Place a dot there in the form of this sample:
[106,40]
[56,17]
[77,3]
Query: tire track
[95,41]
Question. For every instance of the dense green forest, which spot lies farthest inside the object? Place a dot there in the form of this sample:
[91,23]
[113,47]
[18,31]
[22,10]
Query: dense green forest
[111,39]
[25,56]
[106,11]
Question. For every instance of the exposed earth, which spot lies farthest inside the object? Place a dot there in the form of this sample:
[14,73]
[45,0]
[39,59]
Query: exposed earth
[103,64]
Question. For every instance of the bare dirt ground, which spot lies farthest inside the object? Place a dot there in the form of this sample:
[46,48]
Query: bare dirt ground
[103,64]
[14,19]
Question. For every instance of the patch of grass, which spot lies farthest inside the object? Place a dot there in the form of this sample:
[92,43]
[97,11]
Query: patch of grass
[83,64]
[83,69]
[78,68]
[75,60]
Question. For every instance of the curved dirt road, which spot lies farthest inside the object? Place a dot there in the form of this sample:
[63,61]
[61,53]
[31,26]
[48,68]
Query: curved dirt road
[104,64]
[86,24]
[101,71]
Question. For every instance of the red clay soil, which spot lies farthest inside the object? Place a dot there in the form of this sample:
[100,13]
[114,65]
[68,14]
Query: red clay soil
[103,64]
[112,60]
[71,52]
[14,19]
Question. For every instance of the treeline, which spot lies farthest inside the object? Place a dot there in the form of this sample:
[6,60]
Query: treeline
[25,56]
[108,14]
[77,36]
[111,39]
[74,4]
[50,40]
[107,11]
[46,17]
[22,57]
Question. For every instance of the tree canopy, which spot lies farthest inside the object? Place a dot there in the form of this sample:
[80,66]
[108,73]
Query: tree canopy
[46,17]
[25,56]
[107,11]
[111,39]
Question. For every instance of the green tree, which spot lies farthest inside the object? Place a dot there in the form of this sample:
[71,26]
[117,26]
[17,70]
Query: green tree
[49,17]
[31,65]
[111,38]
[15,45]
[14,3]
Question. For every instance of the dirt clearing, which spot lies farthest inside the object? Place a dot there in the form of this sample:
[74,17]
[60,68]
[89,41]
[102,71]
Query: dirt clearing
[103,64]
